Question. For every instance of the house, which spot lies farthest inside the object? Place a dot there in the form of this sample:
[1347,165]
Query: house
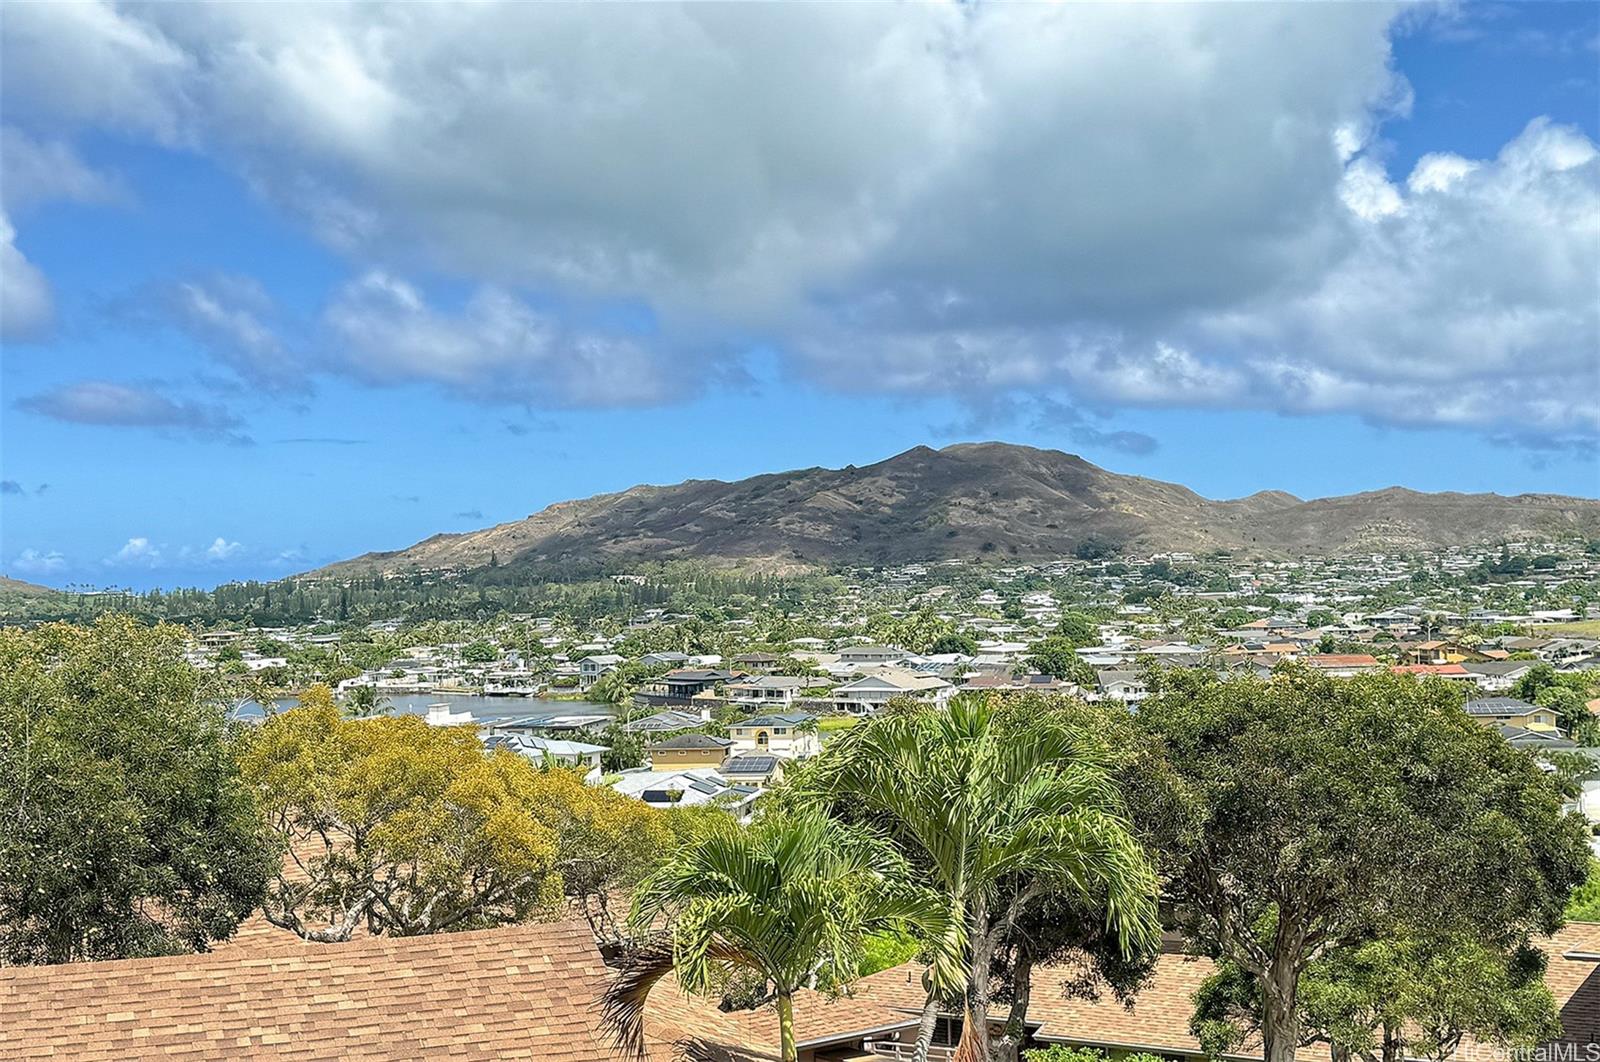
[1343,665]
[1001,683]
[688,683]
[558,751]
[667,722]
[1126,686]
[781,734]
[1448,672]
[688,750]
[870,692]
[1497,676]
[1508,711]
[590,668]
[686,788]
[863,655]
[667,659]
[1437,652]
[757,663]
[752,768]
[766,691]
[1537,741]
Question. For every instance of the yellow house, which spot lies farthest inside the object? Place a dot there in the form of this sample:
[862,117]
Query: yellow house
[689,750]
[1508,711]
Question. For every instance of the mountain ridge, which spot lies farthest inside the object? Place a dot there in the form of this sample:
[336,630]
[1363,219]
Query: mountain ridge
[974,500]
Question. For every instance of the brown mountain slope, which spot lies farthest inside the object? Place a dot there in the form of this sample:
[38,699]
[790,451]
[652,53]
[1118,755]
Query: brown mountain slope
[21,589]
[975,500]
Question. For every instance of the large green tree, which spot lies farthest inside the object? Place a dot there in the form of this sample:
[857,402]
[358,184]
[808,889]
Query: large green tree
[1304,816]
[1411,997]
[790,899]
[1001,807]
[124,826]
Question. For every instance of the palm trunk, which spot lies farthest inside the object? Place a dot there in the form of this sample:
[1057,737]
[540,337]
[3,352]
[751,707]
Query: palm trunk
[974,1046]
[1007,1048]
[925,1027]
[786,1044]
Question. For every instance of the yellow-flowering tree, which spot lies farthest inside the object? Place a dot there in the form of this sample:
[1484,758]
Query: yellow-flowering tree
[400,826]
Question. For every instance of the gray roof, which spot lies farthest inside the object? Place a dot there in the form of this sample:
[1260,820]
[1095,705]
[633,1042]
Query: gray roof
[1498,706]
[663,723]
[1537,739]
[699,675]
[692,741]
[778,719]
[776,682]
[1497,667]
[749,764]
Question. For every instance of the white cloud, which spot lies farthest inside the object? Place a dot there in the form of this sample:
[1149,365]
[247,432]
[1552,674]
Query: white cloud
[221,549]
[34,171]
[1129,205]
[496,347]
[136,552]
[39,562]
[26,307]
[231,317]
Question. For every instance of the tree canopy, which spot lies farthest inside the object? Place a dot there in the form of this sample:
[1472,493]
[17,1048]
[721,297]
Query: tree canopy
[125,829]
[1303,816]
[397,825]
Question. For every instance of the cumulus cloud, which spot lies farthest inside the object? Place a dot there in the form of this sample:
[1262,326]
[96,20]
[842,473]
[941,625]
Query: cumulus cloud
[26,306]
[136,552]
[39,562]
[1113,205]
[221,549]
[141,552]
[116,405]
[495,347]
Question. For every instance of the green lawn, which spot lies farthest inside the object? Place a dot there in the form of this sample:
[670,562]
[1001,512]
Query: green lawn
[1581,629]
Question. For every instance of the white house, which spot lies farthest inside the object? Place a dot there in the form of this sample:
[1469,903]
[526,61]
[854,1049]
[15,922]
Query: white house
[871,692]
[695,785]
[766,691]
[779,734]
[859,655]
[1125,686]
[552,750]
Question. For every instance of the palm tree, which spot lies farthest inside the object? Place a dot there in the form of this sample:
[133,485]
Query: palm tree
[999,807]
[789,898]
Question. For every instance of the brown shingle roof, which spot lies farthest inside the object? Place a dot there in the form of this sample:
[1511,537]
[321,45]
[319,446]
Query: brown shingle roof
[1158,1019]
[526,991]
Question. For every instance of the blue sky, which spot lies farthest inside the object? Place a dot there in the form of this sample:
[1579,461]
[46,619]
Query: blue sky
[282,288]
